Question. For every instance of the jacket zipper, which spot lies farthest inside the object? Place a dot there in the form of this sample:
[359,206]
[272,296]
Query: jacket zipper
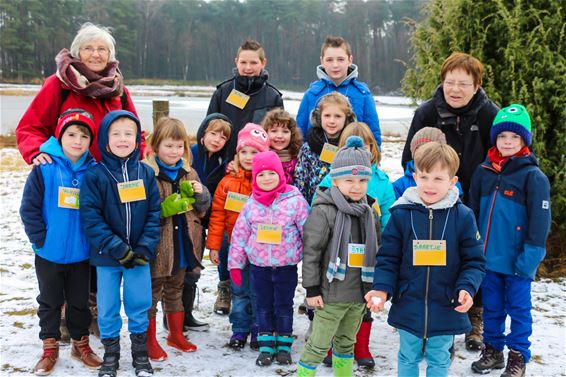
[491,211]
[430,217]
[271,221]
[128,209]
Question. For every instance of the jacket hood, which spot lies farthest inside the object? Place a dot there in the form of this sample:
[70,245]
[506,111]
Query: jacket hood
[250,84]
[111,117]
[54,149]
[411,197]
[514,163]
[410,169]
[200,133]
[352,74]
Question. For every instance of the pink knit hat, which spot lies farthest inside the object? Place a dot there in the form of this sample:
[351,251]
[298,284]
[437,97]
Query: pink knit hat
[252,135]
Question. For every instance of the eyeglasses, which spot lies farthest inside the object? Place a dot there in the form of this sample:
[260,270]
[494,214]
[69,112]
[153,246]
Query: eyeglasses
[90,50]
[462,85]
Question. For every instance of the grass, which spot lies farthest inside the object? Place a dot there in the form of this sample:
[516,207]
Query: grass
[31,312]
[26,266]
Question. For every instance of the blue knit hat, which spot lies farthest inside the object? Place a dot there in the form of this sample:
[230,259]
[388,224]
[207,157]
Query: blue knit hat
[514,118]
[352,161]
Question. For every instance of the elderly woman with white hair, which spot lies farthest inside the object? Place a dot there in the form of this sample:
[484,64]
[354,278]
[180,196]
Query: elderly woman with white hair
[88,78]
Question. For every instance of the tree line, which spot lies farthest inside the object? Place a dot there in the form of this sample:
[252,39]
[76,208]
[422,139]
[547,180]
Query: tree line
[196,40]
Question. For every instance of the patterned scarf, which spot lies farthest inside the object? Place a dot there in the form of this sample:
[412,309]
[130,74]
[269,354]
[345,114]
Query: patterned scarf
[75,74]
[340,238]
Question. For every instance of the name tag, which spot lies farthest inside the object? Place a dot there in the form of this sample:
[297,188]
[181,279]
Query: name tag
[238,99]
[429,253]
[356,253]
[68,197]
[131,191]
[235,202]
[269,233]
[328,152]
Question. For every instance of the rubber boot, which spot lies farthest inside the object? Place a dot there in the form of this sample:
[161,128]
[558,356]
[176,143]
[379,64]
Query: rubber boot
[176,339]
[283,355]
[49,358]
[266,349]
[110,361]
[140,360]
[154,350]
[304,370]
[361,348]
[474,339]
[342,365]
[191,323]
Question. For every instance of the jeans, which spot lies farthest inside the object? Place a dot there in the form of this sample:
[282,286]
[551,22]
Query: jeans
[223,273]
[437,354]
[242,315]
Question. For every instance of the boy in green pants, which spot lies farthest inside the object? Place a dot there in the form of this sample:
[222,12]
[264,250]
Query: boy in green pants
[340,247]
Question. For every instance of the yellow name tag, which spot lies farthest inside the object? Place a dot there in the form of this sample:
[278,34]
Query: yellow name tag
[269,233]
[376,208]
[328,153]
[356,253]
[235,202]
[238,99]
[429,253]
[131,191]
[68,197]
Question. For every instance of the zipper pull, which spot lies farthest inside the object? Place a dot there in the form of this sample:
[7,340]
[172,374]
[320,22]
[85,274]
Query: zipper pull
[430,213]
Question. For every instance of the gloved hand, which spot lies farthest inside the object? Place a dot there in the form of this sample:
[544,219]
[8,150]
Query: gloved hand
[187,190]
[140,260]
[127,260]
[174,204]
[236,276]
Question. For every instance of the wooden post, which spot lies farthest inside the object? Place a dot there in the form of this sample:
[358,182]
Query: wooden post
[160,109]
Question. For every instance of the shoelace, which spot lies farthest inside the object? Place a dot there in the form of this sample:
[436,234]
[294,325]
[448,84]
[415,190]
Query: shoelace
[85,349]
[48,353]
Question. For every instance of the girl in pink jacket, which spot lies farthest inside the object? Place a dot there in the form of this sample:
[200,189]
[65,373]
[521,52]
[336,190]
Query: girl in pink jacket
[268,234]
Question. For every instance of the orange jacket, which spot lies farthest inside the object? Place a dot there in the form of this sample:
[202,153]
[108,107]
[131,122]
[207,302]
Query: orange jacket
[221,219]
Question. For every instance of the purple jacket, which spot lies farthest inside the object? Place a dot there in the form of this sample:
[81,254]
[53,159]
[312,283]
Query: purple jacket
[290,210]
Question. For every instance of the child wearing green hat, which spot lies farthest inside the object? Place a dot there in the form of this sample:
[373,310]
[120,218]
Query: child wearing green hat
[510,196]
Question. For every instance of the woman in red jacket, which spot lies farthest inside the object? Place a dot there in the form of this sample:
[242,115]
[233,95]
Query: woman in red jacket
[88,78]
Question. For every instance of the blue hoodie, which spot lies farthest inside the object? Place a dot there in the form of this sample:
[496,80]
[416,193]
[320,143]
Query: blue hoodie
[407,180]
[113,227]
[55,233]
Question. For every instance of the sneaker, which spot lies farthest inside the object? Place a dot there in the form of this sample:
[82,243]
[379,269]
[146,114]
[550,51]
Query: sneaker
[490,359]
[264,359]
[238,340]
[516,366]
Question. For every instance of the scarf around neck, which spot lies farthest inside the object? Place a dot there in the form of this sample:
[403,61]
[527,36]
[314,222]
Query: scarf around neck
[75,74]
[497,160]
[284,155]
[340,238]
[316,137]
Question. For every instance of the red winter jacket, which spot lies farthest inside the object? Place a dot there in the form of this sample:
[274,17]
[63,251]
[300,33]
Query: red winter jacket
[40,119]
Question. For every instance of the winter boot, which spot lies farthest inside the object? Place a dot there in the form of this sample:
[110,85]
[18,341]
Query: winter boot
[80,350]
[327,361]
[238,340]
[191,323]
[361,347]
[223,299]
[474,339]
[490,359]
[110,362]
[93,328]
[283,355]
[140,361]
[154,350]
[266,349]
[516,366]
[176,339]
[342,365]
[254,344]
[49,358]
[304,370]
[65,336]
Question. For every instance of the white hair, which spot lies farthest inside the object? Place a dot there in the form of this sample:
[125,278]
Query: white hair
[89,32]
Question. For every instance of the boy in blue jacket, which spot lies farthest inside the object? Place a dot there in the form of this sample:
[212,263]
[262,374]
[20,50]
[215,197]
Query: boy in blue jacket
[50,213]
[337,73]
[510,196]
[120,210]
[430,264]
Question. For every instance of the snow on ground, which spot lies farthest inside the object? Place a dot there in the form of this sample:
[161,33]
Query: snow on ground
[20,347]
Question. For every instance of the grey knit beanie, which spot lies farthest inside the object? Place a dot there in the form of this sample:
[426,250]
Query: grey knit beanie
[352,161]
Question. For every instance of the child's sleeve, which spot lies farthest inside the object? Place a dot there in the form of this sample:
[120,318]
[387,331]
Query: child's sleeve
[472,265]
[389,257]
[147,243]
[315,240]
[31,208]
[214,105]
[303,115]
[538,225]
[301,215]
[202,202]
[387,201]
[217,222]
[240,239]
[371,118]
[97,230]
[302,174]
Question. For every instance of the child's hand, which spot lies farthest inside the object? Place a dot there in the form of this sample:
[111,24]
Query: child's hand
[315,302]
[127,260]
[466,300]
[186,189]
[375,300]
[213,255]
[197,187]
[236,276]
[232,168]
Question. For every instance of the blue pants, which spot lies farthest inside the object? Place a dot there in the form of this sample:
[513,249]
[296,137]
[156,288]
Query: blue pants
[242,315]
[137,299]
[223,273]
[274,289]
[507,295]
[437,354]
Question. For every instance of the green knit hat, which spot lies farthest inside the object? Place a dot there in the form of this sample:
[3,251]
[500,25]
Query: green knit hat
[514,118]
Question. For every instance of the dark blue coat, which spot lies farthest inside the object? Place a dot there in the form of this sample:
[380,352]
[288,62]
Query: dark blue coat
[113,227]
[513,212]
[423,297]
